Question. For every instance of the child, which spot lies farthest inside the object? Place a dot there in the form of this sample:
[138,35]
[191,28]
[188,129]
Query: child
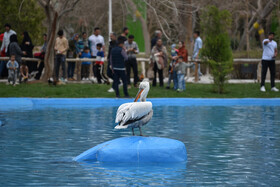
[85,65]
[12,66]
[23,73]
[174,53]
[180,69]
[99,65]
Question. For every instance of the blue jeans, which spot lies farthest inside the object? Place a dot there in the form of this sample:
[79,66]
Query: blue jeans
[120,74]
[175,80]
[181,81]
[12,76]
[60,60]
[71,69]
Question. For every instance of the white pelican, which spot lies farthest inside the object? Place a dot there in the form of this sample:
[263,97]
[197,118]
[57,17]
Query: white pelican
[135,114]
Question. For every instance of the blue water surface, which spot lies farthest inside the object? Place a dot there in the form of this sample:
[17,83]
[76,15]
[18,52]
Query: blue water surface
[232,145]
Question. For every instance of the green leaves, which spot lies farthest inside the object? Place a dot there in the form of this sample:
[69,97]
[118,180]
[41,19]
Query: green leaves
[27,18]
[215,25]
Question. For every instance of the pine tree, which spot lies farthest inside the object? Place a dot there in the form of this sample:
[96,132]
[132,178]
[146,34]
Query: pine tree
[215,25]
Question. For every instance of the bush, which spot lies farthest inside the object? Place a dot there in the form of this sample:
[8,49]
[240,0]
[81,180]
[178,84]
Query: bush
[217,46]
[23,16]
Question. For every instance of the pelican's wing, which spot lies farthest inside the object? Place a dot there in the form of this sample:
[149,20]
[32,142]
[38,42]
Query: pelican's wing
[132,111]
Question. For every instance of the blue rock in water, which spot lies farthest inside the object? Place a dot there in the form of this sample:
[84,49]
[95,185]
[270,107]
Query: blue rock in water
[136,149]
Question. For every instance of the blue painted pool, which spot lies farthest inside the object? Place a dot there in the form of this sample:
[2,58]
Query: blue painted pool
[230,142]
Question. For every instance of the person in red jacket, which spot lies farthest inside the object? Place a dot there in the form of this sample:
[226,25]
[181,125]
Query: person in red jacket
[183,53]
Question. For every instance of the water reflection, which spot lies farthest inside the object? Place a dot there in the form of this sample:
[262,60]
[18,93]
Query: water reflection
[226,146]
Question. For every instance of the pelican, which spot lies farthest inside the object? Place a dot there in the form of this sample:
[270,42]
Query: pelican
[135,114]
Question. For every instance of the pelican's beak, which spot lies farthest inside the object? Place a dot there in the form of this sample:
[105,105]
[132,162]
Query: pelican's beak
[138,94]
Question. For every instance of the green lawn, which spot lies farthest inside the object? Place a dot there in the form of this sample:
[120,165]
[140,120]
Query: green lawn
[94,90]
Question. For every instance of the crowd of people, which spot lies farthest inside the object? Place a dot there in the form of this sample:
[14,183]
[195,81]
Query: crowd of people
[121,58]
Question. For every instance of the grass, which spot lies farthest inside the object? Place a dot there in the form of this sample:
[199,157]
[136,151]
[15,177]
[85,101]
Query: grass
[43,90]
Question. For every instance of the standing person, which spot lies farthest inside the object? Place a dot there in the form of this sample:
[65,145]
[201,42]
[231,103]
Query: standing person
[85,65]
[93,41]
[83,42]
[159,55]
[196,50]
[12,67]
[117,59]
[174,53]
[113,43]
[158,35]
[27,47]
[6,40]
[2,54]
[100,65]
[268,61]
[180,68]
[124,34]
[41,55]
[73,52]
[182,52]
[14,49]
[131,49]
[61,47]
[23,76]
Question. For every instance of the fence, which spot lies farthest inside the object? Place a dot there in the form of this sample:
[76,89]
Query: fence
[144,61]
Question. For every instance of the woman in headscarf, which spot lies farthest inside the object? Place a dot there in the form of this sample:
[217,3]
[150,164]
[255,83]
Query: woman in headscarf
[27,47]
[182,51]
[14,49]
[159,54]
[73,52]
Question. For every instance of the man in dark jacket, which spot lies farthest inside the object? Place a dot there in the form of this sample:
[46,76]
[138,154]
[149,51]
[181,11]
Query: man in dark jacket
[117,58]
[113,43]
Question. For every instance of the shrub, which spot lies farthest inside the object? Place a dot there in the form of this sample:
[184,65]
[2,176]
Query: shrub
[215,25]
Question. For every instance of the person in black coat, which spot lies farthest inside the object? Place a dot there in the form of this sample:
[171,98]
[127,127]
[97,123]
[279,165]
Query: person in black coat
[14,49]
[27,47]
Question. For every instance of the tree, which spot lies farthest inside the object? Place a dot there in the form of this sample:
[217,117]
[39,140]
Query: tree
[54,10]
[215,25]
[263,11]
[144,26]
[23,16]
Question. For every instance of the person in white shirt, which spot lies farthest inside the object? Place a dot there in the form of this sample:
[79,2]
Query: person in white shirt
[93,40]
[6,40]
[197,49]
[268,61]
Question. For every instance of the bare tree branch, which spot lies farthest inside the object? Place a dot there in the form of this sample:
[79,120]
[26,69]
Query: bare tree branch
[20,7]
[158,20]
[69,9]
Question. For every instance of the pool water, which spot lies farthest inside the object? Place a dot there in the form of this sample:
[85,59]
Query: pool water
[233,145]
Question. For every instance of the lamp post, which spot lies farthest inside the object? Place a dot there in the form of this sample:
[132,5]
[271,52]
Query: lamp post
[110,18]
